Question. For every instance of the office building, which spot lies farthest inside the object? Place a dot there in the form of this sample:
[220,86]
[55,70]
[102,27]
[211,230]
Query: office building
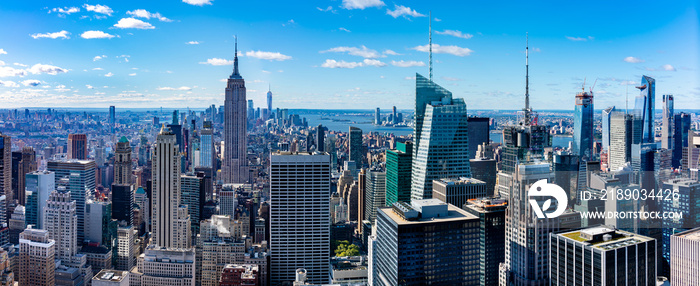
[620,151]
[377,117]
[23,163]
[685,258]
[228,200]
[240,275]
[478,130]
[159,266]
[170,223]
[406,232]
[602,255]
[122,201]
[193,197]
[122,163]
[688,204]
[17,223]
[126,248]
[583,126]
[36,258]
[374,194]
[207,154]
[398,173]
[269,99]
[320,136]
[644,105]
[234,161]
[355,146]
[79,175]
[77,146]
[99,226]
[458,191]
[6,166]
[108,277]
[39,186]
[681,128]
[483,167]
[605,124]
[98,257]
[441,142]
[299,196]
[667,120]
[218,245]
[492,236]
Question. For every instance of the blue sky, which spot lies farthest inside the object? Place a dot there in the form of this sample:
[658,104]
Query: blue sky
[344,53]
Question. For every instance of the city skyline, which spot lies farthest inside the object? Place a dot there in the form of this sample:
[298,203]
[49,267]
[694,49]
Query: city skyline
[152,55]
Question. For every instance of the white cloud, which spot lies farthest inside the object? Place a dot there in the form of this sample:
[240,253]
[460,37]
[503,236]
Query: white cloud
[455,33]
[101,9]
[96,35]
[65,10]
[271,56]
[20,65]
[217,62]
[175,88]
[132,74]
[192,43]
[3,52]
[350,65]
[8,83]
[361,4]
[62,34]
[97,69]
[400,10]
[633,60]
[133,23]
[141,13]
[579,39]
[61,88]
[198,2]
[668,67]
[89,86]
[2,63]
[10,72]
[391,53]
[31,82]
[109,74]
[97,58]
[47,69]
[343,29]
[361,51]
[437,19]
[451,78]
[329,9]
[452,50]
[406,64]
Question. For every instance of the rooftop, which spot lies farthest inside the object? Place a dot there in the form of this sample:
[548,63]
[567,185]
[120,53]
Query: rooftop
[693,234]
[460,181]
[453,214]
[110,275]
[605,237]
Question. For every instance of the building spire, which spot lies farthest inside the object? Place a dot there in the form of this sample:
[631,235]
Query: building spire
[430,44]
[527,81]
[235,74]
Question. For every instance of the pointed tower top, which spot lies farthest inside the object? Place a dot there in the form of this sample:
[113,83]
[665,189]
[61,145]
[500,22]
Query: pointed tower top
[235,73]
[527,81]
[430,44]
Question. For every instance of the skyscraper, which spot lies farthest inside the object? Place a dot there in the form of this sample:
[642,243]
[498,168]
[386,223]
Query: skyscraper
[39,186]
[478,133]
[667,120]
[269,100]
[687,204]
[193,197]
[685,259]
[6,166]
[492,235]
[394,119]
[605,135]
[60,220]
[320,134]
[79,178]
[171,223]
[299,198]
[355,146]
[159,266]
[122,201]
[377,117]
[398,173]
[681,128]
[442,140]
[77,146]
[234,161]
[122,163]
[602,255]
[620,151]
[23,162]
[583,126]
[112,116]
[36,258]
[458,191]
[375,194]
[446,234]
[644,109]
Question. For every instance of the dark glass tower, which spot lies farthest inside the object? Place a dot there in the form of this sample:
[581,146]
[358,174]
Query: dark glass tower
[398,173]
[644,109]
[583,125]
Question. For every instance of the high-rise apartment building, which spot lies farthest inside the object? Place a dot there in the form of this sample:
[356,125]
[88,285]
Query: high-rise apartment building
[583,126]
[36,258]
[79,178]
[234,160]
[299,197]
[126,248]
[398,173]
[449,235]
[60,220]
[77,146]
[171,223]
[6,166]
[442,149]
[601,255]
[355,146]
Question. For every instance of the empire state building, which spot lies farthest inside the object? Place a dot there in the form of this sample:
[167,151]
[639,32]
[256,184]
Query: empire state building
[234,161]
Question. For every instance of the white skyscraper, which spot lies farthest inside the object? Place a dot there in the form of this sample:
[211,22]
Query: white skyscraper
[62,223]
[159,266]
[234,159]
[300,216]
[39,186]
[171,223]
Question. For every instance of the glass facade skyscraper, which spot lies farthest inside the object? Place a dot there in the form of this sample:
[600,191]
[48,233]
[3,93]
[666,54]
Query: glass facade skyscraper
[644,109]
[398,173]
[583,125]
[81,185]
[441,134]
